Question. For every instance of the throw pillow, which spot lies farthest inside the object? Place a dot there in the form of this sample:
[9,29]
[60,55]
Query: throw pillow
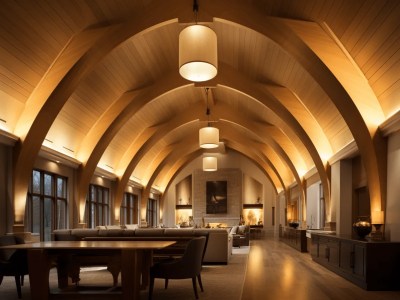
[234,230]
[113,227]
[241,229]
[132,226]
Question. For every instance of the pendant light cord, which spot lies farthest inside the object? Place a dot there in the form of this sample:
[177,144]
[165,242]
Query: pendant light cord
[195,10]
[208,112]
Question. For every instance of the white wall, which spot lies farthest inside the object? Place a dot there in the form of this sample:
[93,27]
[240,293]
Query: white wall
[392,224]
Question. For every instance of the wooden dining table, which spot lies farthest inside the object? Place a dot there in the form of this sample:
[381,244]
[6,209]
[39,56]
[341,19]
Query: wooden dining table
[135,259]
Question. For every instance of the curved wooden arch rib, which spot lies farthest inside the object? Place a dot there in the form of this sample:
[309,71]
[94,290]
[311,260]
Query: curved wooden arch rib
[188,116]
[242,85]
[230,136]
[26,153]
[128,104]
[263,163]
[187,149]
[118,124]
[187,158]
[372,148]
[304,117]
[137,158]
[59,69]
[263,133]
[178,166]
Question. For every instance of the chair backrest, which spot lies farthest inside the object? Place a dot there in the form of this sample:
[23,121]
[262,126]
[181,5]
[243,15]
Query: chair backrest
[7,240]
[206,234]
[193,255]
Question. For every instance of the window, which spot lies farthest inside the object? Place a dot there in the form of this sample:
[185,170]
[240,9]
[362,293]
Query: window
[46,204]
[129,209]
[97,206]
[151,213]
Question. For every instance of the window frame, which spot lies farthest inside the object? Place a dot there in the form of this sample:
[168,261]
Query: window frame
[129,210]
[97,202]
[43,194]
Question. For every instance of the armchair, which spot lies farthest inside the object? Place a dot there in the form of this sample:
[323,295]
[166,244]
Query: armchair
[241,237]
[13,262]
[188,266]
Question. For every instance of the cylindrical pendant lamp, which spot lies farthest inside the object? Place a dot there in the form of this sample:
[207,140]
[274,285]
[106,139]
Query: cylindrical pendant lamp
[198,54]
[210,163]
[209,137]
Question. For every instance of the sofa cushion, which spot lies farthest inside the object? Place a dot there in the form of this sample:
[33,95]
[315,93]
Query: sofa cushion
[149,232]
[132,226]
[111,232]
[81,233]
[178,232]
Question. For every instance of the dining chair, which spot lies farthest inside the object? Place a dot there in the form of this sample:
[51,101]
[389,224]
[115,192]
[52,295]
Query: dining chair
[13,262]
[187,266]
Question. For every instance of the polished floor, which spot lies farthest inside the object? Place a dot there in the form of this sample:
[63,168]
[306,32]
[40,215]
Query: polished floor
[276,271]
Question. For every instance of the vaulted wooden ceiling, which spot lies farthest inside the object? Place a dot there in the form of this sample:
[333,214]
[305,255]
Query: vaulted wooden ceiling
[298,81]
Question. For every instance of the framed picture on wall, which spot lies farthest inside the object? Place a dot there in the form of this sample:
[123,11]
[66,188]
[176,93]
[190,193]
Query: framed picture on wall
[216,193]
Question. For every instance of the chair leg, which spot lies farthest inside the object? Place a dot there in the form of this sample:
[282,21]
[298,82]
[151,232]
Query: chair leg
[18,284]
[1,279]
[195,287]
[200,283]
[22,280]
[151,287]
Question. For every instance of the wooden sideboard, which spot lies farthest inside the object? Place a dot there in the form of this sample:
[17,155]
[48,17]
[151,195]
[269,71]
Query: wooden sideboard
[372,265]
[295,238]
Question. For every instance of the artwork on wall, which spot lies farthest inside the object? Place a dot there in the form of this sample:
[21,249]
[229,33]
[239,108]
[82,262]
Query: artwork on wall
[216,193]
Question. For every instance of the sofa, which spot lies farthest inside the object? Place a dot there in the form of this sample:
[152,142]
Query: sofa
[240,235]
[218,250]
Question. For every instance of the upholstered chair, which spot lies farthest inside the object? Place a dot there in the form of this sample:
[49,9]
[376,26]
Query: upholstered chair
[13,262]
[187,266]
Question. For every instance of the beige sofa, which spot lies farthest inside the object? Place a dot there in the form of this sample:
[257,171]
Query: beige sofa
[218,251]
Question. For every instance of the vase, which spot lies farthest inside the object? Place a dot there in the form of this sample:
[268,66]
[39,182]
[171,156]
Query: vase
[294,224]
[362,227]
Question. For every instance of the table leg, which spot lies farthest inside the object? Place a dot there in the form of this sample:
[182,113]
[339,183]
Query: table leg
[130,274]
[63,264]
[39,268]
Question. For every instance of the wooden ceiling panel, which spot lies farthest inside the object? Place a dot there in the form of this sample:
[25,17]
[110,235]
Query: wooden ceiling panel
[40,42]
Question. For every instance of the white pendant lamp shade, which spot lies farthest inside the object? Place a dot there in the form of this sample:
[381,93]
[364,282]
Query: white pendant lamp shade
[209,137]
[209,163]
[198,55]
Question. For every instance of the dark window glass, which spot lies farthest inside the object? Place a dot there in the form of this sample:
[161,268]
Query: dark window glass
[46,204]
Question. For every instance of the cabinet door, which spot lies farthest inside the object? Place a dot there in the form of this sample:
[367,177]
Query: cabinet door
[314,246]
[347,256]
[323,249]
[359,260]
[333,252]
